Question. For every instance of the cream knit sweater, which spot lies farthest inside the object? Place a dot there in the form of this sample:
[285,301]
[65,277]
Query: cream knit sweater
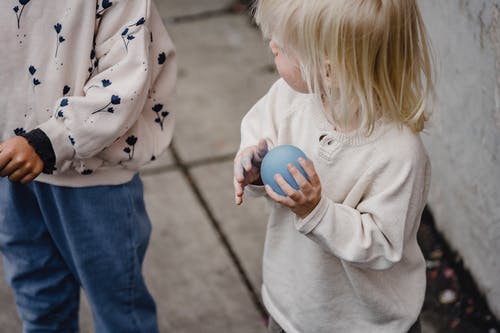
[353,265]
[89,83]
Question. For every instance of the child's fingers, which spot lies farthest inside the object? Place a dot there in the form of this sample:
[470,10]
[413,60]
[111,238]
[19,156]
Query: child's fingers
[285,201]
[310,171]
[238,200]
[17,175]
[298,176]
[287,188]
[4,160]
[8,168]
[28,178]
[246,161]
[239,173]
[38,169]
[31,173]
[273,195]
[238,192]
[238,187]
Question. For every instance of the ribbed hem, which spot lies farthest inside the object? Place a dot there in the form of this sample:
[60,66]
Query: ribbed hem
[104,176]
[43,147]
[314,218]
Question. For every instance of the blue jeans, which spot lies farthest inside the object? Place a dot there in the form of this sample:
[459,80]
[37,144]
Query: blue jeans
[56,239]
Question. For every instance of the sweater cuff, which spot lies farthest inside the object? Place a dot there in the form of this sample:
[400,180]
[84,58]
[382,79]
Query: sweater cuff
[62,143]
[43,147]
[312,220]
[255,190]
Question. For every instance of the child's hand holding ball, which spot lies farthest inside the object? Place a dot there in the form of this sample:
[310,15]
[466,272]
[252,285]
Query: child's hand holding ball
[291,179]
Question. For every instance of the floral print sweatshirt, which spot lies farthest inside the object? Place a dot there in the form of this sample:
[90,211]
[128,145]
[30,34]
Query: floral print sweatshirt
[90,85]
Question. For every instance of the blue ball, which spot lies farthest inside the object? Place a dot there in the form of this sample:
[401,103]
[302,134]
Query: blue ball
[276,161]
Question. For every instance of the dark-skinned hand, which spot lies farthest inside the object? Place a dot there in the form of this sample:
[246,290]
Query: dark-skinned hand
[19,161]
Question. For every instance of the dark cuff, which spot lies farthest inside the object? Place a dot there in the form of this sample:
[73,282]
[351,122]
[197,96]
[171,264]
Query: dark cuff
[43,147]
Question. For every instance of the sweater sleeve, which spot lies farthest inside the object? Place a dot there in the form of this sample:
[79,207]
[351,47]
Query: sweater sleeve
[114,96]
[262,122]
[373,234]
[258,123]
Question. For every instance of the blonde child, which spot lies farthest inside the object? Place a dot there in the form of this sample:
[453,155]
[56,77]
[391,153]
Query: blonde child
[341,253]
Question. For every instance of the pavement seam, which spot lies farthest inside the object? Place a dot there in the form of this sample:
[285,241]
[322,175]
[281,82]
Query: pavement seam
[196,163]
[185,170]
[234,8]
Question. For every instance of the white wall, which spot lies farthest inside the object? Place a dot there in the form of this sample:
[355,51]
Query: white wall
[464,134]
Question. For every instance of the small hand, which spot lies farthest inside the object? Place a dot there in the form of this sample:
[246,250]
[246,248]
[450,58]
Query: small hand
[19,161]
[302,201]
[247,168]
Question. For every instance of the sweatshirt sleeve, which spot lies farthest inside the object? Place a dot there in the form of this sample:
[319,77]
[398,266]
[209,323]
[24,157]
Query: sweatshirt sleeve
[374,233]
[262,122]
[259,122]
[115,94]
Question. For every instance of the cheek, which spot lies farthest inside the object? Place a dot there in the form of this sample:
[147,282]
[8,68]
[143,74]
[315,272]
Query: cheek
[291,74]
[295,80]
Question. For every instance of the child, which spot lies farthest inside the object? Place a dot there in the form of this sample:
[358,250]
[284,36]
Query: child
[88,101]
[341,253]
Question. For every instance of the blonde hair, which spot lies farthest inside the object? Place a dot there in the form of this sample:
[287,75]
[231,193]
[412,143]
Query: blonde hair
[369,59]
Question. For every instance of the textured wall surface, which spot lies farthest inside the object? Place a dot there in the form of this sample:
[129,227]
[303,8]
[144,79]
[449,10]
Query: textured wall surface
[463,138]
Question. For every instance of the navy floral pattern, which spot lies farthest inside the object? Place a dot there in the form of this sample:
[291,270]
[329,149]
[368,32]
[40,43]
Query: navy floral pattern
[32,71]
[19,11]
[160,114]
[60,38]
[94,62]
[115,100]
[104,83]
[66,90]
[87,172]
[105,4]
[127,36]
[64,103]
[19,131]
[162,57]
[130,150]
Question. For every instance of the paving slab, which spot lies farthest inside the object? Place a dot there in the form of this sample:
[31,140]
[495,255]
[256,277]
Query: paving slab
[86,321]
[224,68]
[245,226]
[177,8]
[195,285]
